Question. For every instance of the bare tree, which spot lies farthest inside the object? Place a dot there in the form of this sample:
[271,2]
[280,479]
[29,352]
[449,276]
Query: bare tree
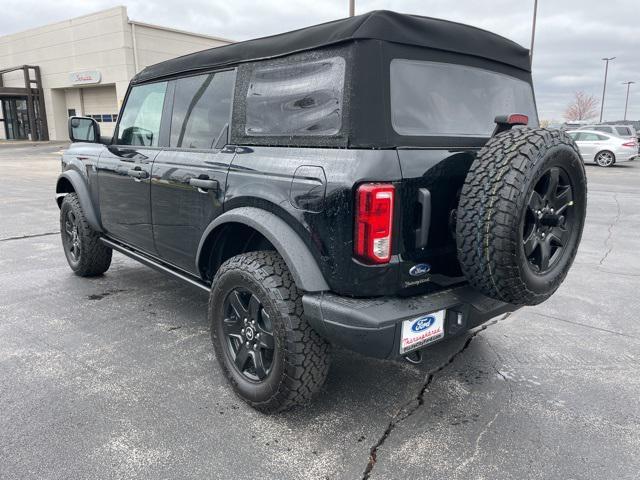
[582,107]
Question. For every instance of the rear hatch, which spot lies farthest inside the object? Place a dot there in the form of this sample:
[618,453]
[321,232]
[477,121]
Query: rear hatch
[428,197]
[450,109]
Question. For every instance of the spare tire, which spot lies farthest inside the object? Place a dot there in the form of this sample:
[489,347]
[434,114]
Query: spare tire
[521,214]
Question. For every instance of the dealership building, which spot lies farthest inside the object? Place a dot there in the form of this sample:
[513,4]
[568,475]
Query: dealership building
[82,67]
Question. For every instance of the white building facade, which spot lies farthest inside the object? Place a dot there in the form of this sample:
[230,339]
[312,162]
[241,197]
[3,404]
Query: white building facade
[85,65]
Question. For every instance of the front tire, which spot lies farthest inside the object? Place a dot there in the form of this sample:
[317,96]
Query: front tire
[271,356]
[86,254]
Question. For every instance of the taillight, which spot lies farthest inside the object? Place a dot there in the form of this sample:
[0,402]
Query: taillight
[630,144]
[517,119]
[374,222]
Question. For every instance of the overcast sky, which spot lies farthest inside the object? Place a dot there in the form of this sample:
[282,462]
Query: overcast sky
[572,35]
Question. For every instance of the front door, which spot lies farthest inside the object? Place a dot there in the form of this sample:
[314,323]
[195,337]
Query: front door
[124,168]
[189,177]
[16,118]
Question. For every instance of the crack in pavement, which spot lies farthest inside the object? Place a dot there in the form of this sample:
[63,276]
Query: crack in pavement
[408,409]
[579,324]
[34,235]
[610,236]
[476,449]
[624,274]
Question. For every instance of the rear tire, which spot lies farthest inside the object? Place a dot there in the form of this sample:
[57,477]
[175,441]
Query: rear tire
[605,159]
[521,215]
[271,356]
[86,254]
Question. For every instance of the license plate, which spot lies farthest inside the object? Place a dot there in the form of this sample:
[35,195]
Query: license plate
[421,331]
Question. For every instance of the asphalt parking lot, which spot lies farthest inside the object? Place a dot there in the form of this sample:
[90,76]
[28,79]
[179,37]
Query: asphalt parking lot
[115,377]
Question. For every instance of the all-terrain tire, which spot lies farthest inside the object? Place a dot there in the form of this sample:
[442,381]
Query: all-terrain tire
[495,209]
[300,359]
[88,257]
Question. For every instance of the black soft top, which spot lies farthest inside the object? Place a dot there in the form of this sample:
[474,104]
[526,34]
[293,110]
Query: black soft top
[382,25]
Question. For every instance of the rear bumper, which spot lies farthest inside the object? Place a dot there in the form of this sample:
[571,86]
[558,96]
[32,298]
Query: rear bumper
[625,157]
[372,326]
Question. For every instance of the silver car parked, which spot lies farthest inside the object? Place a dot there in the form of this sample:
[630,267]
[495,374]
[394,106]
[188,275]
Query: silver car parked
[603,148]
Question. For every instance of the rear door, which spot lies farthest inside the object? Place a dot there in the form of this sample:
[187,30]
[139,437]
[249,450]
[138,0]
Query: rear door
[189,178]
[124,169]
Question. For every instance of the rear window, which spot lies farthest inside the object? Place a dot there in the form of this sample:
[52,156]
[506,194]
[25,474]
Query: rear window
[432,98]
[590,137]
[303,99]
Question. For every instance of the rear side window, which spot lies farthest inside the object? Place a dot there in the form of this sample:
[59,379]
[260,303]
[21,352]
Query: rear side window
[432,98]
[140,122]
[201,109]
[604,129]
[590,137]
[303,99]
[626,131]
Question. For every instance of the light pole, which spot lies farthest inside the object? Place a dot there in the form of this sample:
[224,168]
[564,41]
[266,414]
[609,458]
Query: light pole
[352,8]
[533,30]
[626,102]
[604,88]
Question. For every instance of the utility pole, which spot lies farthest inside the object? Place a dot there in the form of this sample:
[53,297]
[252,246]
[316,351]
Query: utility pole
[533,31]
[352,8]
[626,102]
[604,88]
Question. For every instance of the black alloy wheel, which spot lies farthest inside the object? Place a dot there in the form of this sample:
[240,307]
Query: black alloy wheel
[521,215]
[267,350]
[71,237]
[548,220]
[86,254]
[248,334]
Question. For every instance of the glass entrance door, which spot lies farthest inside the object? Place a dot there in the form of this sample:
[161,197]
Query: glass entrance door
[16,118]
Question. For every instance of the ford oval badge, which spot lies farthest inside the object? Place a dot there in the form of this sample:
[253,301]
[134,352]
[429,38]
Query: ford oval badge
[423,323]
[419,269]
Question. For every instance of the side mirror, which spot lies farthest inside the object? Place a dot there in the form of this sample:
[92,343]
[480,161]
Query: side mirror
[84,129]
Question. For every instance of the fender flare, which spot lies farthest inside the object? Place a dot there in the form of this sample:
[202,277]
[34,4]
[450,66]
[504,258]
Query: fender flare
[296,254]
[80,187]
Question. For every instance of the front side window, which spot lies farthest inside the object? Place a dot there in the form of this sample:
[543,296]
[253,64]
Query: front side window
[201,109]
[432,98]
[140,122]
[302,98]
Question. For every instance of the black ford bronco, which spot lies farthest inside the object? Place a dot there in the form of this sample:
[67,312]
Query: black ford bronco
[378,183]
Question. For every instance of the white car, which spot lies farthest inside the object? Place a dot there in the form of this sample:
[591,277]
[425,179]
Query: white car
[603,148]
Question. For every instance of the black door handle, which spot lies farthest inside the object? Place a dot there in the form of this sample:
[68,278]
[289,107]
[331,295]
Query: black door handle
[204,184]
[136,173]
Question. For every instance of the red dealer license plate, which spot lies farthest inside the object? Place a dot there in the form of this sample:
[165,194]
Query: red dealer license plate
[422,331]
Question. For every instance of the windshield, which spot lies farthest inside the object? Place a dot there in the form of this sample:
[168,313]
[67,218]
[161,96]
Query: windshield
[430,98]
